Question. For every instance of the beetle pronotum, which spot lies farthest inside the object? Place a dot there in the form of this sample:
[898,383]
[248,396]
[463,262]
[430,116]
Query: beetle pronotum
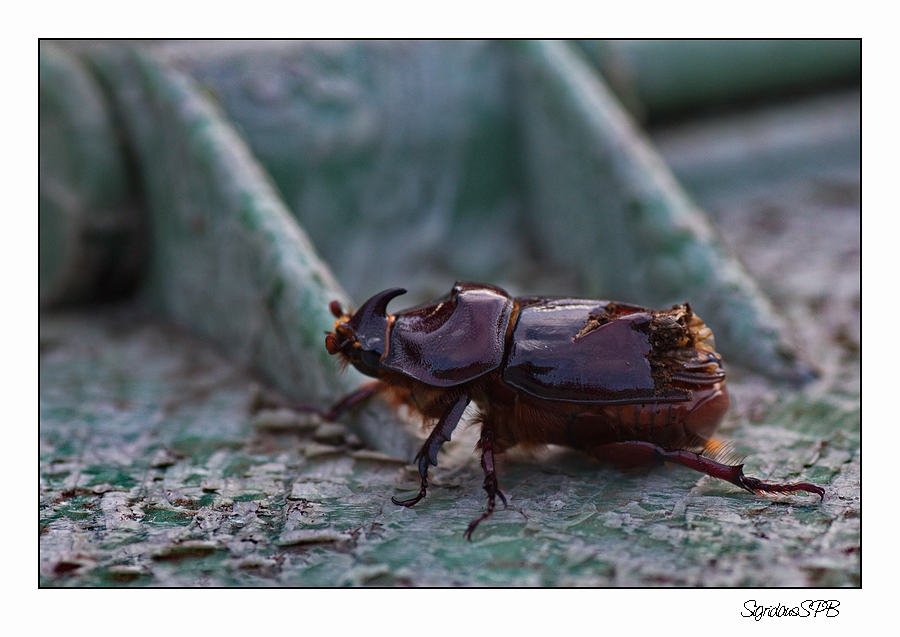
[617,381]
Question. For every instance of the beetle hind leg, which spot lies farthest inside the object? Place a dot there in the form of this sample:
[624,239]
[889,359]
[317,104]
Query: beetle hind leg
[757,486]
[733,473]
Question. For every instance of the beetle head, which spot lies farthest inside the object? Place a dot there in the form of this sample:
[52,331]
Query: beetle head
[362,338]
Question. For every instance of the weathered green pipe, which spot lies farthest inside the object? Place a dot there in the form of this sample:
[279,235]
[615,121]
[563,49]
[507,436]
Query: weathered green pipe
[88,218]
[228,260]
[605,205]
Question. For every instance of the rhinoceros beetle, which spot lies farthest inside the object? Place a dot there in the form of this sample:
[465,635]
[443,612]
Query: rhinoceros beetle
[617,381]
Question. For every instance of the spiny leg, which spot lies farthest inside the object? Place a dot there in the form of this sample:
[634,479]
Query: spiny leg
[491,485]
[735,474]
[428,453]
[637,450]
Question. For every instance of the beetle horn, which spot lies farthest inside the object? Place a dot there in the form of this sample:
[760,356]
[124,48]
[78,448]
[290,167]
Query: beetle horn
[370,320]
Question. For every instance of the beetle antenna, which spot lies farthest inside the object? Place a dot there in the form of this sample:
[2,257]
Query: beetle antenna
[336,309]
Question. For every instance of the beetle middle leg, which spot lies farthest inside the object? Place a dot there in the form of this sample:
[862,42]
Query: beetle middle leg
[488,450]
[647,452]
[428,453]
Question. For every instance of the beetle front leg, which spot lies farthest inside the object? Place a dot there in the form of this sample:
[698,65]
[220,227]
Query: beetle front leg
[345,404]
[491,485]
[361,394]
[428,453]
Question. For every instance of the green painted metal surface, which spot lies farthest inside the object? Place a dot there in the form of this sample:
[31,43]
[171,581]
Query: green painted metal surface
[228,260]
[164,463]
[420,163]
[158,467]
[629,229]
[399,159]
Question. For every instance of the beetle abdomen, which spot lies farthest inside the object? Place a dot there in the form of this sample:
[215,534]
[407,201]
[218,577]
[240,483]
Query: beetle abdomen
[664,424]
[535,422]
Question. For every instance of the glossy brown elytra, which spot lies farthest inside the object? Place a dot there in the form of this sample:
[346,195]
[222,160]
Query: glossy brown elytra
[619,382]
